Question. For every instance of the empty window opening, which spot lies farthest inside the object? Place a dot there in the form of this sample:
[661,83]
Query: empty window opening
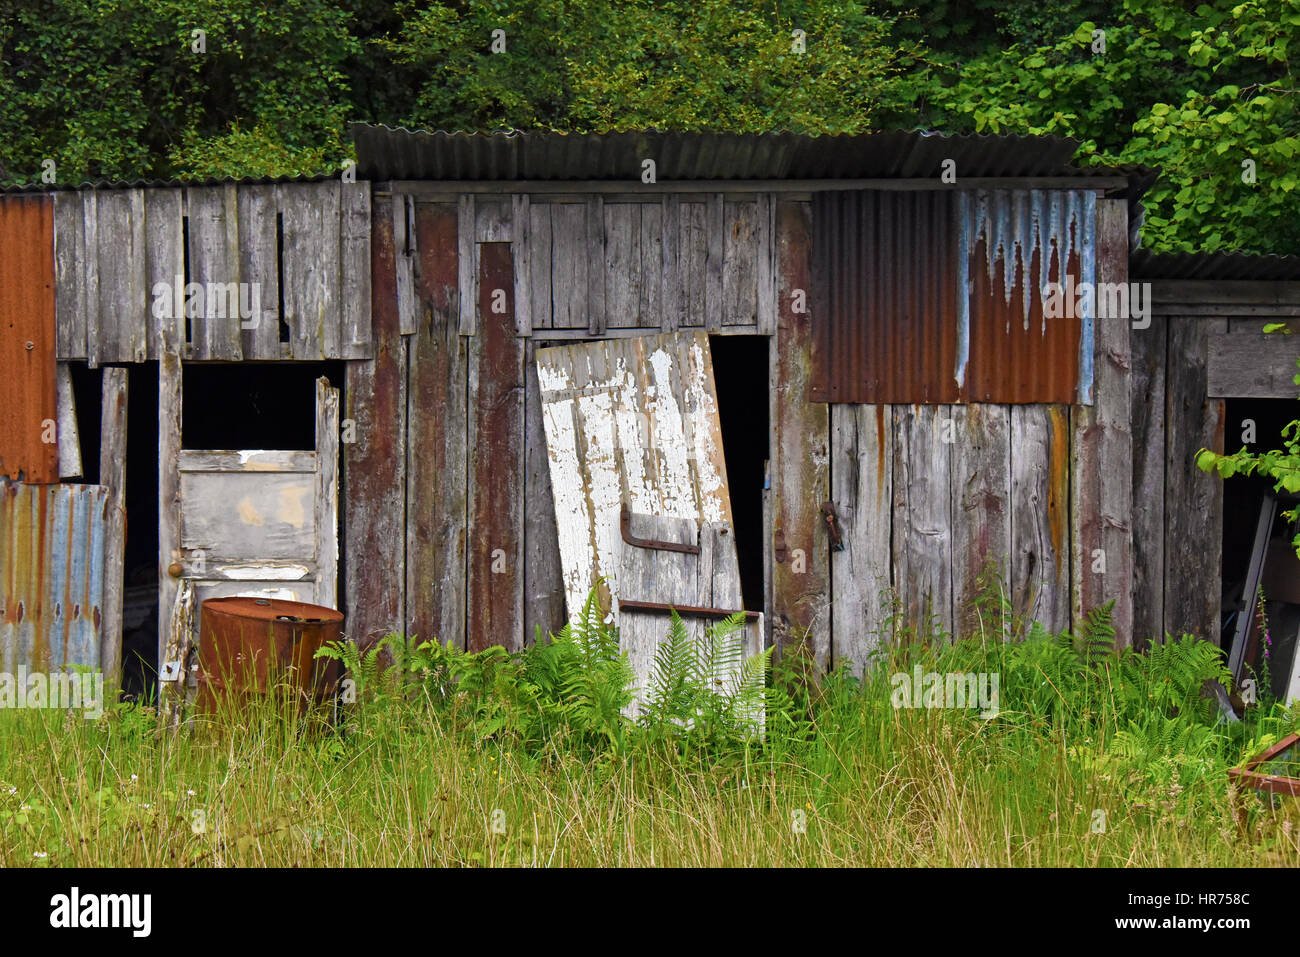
[740,371]
[252,405]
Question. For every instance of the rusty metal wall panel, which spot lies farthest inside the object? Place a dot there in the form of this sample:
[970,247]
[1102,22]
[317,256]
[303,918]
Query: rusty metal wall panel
[51,575]
[936,297]
[27,360]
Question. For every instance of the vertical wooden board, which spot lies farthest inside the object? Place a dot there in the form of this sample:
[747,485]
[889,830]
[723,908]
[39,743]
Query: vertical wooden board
[405,255]
[650,290]
[922,526]
[715,252]
[692,262]
[801,444]
[622,264]
[1194,513]
[569,286]
[765,265]
[1040,494]
[495,538]
[1147,396]
[354,270]
[214,265]
[116,283]
[65,404]
[740,264]
[467,264]
[981,515]
[169,504]
[90,274]
[374,466]
[543,579]
[862,457]
[310,214]
[671,298]
[492,220]
[69,250]
[327,493]
[164,214]
[1101,498]
[439,437]
[259,268]
[112,475]
[597,316]
[539,264]
[521,250]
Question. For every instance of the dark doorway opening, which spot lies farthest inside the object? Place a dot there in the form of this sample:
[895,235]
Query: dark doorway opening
[740,372]
[1261,420]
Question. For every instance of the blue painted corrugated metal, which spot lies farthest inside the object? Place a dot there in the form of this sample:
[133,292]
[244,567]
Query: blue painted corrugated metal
[937,296]
[51,575]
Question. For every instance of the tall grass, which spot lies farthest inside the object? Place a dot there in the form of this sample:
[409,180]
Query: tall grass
[1094,759]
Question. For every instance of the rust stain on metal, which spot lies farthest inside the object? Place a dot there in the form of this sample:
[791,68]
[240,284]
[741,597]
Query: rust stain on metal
[27,344]
[51,575]
[1058,488]
[248,645]
[881,459]
[938,296]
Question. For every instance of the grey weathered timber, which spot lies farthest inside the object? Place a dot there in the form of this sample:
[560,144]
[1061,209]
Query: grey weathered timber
[1249,365]
[123,293]
[493,221]
[539,265]
[69,440]
[597,317]
[164,213]
[800,611]
[981,516]
[327,494]
[649,260]
[467,260]
[765,265]
[521,252]
[354,270]
[310,214]
[169,500]
[569,266]
[623,262]
[740,264]
[438,437]
[214,265]
[405,254]
[374,465]
[862,460]
[1194,516]
[672,303]
[69,290]
[112,475]
[692,262]
[715,252]
[923,521]
[1149,507]
[89,276]
[1039,578]
[543,580]
[259,267]
[1101,498]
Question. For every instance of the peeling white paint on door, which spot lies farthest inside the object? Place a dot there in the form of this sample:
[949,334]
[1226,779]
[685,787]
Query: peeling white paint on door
[633,418]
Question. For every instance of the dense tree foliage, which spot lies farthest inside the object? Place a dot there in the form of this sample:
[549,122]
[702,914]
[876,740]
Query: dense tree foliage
[125,89]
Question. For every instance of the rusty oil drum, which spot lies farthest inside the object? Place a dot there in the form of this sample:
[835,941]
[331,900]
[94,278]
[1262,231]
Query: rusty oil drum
[250,645]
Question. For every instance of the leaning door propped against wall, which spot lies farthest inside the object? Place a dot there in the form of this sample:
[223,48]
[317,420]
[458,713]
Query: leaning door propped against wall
[262,523]
[634,443]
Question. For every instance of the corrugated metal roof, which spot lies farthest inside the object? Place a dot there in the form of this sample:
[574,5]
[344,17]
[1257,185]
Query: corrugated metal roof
[27,363]
[384,153]
[1145,265]
[937,296]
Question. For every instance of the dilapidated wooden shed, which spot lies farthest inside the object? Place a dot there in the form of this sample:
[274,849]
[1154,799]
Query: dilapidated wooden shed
[839,378]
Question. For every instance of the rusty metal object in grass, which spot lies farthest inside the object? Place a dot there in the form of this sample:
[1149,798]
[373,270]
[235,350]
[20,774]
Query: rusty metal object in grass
[248,646]
[1248,778]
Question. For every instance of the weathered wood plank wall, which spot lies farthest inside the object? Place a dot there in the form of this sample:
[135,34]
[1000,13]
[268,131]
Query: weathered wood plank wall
[112,248]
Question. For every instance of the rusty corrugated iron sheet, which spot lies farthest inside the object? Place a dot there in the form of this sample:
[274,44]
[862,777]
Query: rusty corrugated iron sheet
[937,297]
[51,575]
[27,362]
